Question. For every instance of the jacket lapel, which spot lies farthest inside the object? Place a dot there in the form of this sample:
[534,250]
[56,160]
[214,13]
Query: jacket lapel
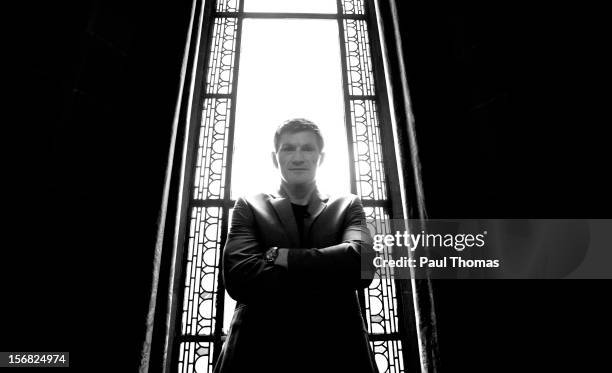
[283,209]
[282,205]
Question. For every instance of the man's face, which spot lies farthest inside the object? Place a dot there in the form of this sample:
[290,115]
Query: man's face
[298,157]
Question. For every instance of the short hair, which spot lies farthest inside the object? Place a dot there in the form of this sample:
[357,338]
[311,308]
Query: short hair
[298,125]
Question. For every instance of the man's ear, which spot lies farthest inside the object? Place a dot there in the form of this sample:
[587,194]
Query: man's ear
[321,158]
[274,160]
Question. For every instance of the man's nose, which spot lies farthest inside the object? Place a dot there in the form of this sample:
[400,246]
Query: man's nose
[298,157]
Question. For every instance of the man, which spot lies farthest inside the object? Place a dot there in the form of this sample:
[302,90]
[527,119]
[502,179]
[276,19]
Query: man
[293,263]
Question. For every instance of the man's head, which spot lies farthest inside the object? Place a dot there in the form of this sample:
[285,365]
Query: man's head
[298,146]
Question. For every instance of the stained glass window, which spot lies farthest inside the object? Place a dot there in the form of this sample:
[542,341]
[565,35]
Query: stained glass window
[256,65]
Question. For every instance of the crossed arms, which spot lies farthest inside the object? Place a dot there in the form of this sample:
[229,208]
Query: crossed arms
[248,277]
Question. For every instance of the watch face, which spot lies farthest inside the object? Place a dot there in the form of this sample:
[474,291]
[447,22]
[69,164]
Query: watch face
[271,254]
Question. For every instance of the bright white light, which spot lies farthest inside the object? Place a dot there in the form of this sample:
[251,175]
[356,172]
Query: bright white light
[288,69]
[290,6]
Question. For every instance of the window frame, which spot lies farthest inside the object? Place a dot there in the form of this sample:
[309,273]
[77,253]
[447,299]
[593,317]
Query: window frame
[205,12]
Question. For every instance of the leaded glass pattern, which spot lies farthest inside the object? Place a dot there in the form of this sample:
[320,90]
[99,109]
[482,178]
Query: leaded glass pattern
[202,294]
[202,270]
[360,78]
[352,6]
[220,71]
[229,302]
[381,301]
[389,356]
[212,149]
[228,5]
[381,306]
[195,357]
[367,150]
[377,220]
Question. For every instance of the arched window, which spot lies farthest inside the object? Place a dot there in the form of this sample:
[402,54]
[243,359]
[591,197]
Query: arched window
[253,64]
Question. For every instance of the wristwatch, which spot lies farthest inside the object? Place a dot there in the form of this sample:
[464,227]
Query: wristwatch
[271,254]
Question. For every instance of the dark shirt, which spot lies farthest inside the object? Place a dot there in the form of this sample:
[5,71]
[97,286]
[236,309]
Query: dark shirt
[300,212]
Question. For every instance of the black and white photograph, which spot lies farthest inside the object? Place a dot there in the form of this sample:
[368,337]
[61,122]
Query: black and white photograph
[376,186]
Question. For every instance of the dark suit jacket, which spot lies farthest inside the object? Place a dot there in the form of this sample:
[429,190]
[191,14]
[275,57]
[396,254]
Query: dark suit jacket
[305,317]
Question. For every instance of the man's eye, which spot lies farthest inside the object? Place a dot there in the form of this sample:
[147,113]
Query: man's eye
[288,148]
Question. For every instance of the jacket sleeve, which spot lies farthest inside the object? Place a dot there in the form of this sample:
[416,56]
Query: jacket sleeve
[246,274]
[347,264]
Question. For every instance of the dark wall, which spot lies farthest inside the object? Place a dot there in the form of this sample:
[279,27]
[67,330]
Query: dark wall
[100,80]
[507,108]
[505,103]
[509,119]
